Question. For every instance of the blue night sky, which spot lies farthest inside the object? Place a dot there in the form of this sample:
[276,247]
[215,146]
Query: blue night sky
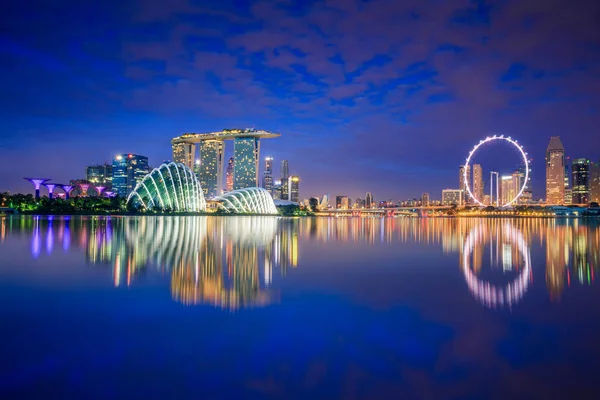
[385,96]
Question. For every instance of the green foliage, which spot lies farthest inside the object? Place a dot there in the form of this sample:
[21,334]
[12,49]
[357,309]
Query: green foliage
[313,203]
[27,204]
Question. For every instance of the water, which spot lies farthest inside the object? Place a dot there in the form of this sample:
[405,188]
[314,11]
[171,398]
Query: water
[264,307]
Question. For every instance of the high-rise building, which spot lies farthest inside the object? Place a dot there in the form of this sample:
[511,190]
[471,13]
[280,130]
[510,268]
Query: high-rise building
[595,182]
[184,153]
[229,177]
[369,200]
[294,188]
[452,197]
[507,188]
[99,175]
[128,170]
[527,195]
[197,165]
[211,167]
[555,170]
[580,169]
[568,189]
[425,200]
[285,174]
[245,170]
[267,182]
[463,184]
[478,182]
[246,155]
[277,195]
[340,201]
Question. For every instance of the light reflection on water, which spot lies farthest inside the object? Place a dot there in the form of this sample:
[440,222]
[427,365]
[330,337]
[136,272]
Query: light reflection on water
[229,261]
[435,306]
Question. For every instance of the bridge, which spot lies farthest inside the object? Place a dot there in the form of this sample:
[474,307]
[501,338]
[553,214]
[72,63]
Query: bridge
[383,212]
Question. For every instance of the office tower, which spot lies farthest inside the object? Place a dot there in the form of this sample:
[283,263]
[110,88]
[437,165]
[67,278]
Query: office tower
[211,167]
[507,188]
[580,169]
[184,153]
[463,184]
[369,200]
[277,195]
[128,170]
[527,195]
[477,182]
[452,197]
[197,164]
[360,203]
[294,187]
[425,200]
[229,178]
[285,174]
[568,189]
[555,170]
[340,201]
[267,182]
[595,182]
[245,169]
[99,175]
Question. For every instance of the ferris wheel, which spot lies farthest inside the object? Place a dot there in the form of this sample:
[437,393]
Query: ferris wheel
[489,140]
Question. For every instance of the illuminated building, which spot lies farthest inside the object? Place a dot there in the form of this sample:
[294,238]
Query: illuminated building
[369,200]
[507,188]
[245,169]
[568,190]
[580,169]
[184,153]
[294,188]
[277,190]
[99,175]
[452,197]
[229,178]
[247,201]
[246,154]
[128,170]
[527,195]
[285,174]
[463,183]
[196,167]
[595,182]
[170,186]
[477,182]
[211,167]
[555,170]
[339,200]
[425,200]
[267,182]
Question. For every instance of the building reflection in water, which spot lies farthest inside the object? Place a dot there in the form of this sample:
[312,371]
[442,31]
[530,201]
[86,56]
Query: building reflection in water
[234,262]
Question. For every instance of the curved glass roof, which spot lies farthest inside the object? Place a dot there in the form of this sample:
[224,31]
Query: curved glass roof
[251,200]
[170,186]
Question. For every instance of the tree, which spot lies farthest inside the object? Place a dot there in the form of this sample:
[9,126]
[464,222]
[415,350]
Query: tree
[313,203]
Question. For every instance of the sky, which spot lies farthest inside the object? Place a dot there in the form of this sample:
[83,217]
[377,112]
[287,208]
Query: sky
[383,96]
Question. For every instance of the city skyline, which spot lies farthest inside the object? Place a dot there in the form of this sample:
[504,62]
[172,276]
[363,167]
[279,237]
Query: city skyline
[383,108]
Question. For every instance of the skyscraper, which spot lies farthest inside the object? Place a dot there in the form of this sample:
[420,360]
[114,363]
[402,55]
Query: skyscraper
[99,175]
[425,200]
[555,170]
[452,197]
[229,178]
[580,169]
[245,170]
[267,182]
[369,200]
[507,189]
[184,153]
[340,201]
[568,189]
[294,188]
[463,184]
[478,182]
[285,174]
[277,190]
[211,167]
[595,182]
[527,195]
[128,170]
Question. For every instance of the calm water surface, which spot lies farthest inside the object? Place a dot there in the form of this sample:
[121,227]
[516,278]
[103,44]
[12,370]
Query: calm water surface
[265,307]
